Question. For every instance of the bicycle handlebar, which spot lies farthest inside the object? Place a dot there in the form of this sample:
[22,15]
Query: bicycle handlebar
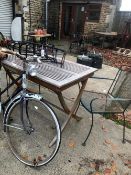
[13,53]
[7,51]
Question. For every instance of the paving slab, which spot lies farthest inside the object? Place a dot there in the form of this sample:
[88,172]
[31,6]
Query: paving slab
[104,153]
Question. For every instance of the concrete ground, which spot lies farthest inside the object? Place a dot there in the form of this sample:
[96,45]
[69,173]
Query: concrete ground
[104,153]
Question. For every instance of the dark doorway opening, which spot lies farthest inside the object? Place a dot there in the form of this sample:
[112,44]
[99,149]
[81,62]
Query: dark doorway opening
[67,18]
[73,19]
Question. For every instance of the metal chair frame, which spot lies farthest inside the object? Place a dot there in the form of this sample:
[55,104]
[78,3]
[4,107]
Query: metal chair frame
[110,95]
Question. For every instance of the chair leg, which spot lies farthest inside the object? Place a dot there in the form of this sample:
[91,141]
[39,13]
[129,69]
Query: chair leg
[84,143]
[70,48]
[26,50]
[124,125]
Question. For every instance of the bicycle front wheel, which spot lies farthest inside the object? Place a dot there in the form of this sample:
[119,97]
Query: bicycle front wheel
[29,136]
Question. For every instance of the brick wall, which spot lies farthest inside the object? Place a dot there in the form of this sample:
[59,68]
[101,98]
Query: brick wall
[36,10]
[102,25]
[54,16]
[54,20]
[36,13]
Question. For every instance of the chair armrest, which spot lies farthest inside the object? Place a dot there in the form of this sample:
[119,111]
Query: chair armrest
[112,99]
[109,104]
[124,102]
[119,99]
[102,78]
[106,78]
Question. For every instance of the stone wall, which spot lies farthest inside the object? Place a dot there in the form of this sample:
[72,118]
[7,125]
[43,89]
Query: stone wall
[55,14]
[103,23]
[33,14]
[36,13]
[53,18]
[107,18]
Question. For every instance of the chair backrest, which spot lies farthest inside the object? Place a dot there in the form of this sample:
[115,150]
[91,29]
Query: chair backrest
[2,36]
[2,39]
[121,87]
[59,55]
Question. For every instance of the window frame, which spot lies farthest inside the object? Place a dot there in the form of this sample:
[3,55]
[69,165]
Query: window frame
[96,9]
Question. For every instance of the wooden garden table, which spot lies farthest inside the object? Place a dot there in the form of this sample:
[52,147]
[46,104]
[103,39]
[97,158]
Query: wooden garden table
[55,78]
[106,34]
[42,36]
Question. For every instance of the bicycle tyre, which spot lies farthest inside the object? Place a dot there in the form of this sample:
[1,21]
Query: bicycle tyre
[45,125]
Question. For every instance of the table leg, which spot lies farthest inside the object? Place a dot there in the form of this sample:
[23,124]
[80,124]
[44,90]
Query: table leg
[74,107]
[62,102]
[65,107]
[11,77]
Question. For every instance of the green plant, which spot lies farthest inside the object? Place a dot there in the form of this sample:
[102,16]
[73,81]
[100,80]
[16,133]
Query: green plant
[117,120]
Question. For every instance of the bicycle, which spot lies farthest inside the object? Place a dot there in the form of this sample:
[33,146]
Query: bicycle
[29,122]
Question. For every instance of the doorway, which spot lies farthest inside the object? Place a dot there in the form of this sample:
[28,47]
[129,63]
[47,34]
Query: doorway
[73,19]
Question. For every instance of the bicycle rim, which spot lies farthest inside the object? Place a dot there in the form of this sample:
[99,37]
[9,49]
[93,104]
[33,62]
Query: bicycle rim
[32,148]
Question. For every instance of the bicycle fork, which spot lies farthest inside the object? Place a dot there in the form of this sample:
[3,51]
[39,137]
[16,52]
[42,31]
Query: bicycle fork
[24,116]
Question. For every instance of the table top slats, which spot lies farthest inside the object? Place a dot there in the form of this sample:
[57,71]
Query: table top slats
[53,73]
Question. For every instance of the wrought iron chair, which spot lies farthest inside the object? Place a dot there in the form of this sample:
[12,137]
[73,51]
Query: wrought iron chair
[116,101]
[21,46]
[51,53]
[4,42]
[76,44]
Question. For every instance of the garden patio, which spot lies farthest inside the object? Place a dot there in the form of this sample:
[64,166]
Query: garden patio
[104,154]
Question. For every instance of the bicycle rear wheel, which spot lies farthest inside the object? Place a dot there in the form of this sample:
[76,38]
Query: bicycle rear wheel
[32,148]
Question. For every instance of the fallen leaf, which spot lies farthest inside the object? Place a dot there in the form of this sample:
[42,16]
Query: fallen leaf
[128,113]
[39,158]
[96,173]
[104,129]
[107,141]
[113,167]
[114,147]
[25,157]
[107,171]
[127,163]
[71,144]
[92,164]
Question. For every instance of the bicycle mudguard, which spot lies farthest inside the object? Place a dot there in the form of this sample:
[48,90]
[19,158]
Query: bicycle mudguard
[17,98]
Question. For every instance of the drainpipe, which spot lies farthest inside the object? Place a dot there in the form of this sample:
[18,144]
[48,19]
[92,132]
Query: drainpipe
[30,15]
[60,14]
[46,6]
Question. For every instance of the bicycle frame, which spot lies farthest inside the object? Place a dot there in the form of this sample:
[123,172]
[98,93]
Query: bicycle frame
[13,94]
[22,96]
[21,112]
[22,78]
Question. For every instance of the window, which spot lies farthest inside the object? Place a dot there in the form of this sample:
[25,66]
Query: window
[93,12]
